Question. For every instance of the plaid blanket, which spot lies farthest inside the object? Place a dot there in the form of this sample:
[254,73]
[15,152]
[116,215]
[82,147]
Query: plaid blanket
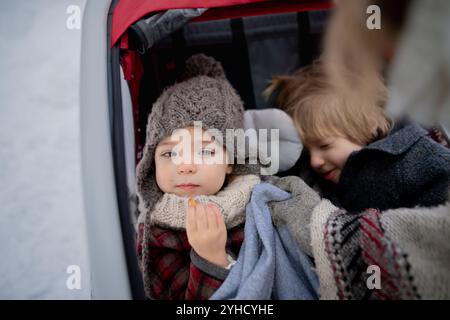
[408,248]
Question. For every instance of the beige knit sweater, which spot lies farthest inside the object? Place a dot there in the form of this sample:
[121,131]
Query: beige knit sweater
[170,210]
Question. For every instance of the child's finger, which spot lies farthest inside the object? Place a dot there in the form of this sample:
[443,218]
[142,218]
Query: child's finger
[211,214]
[214,206]
[191,221]
[219,217]
[202,222]
[220,221]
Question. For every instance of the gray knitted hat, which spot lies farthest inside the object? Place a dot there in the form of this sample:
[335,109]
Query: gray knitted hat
[204,94]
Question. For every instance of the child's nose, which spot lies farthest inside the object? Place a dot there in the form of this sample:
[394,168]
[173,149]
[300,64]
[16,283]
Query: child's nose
[316,161]
[186,168]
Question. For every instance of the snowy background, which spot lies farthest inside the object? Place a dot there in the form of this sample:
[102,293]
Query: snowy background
[42,228]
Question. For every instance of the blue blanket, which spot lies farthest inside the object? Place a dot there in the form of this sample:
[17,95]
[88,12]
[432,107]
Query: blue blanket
[270,264]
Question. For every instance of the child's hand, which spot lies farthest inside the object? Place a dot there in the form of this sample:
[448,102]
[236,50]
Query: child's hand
[206,232]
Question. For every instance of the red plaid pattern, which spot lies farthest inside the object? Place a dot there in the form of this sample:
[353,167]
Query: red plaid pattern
[172,275]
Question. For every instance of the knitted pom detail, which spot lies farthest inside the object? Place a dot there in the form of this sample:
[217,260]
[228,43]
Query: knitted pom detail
[202,65]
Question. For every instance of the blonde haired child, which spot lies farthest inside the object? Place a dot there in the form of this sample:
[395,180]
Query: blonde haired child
[371,161]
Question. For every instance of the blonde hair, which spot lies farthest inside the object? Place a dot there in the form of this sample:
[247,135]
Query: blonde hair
[320,109]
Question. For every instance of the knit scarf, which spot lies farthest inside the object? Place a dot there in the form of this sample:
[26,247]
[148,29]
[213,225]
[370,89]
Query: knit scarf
[170,210]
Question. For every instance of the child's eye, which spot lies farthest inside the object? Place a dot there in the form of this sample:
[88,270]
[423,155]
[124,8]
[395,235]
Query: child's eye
[168,154]
[207,152]
[325,146]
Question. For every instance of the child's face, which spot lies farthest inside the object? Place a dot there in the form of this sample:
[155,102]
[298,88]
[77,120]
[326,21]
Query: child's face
[328,156]
[177,173]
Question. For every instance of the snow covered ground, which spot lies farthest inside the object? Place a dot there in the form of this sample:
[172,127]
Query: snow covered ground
[42,228]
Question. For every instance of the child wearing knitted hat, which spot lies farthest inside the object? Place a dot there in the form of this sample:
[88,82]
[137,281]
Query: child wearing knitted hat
[365,160]
[192,196]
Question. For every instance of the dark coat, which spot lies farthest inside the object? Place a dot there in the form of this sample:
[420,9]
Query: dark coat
[404,169]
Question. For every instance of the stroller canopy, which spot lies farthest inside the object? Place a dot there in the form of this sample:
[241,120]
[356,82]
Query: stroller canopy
[128,12]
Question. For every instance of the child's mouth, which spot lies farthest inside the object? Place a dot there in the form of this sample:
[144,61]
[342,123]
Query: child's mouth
[330,174]
[187,186]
